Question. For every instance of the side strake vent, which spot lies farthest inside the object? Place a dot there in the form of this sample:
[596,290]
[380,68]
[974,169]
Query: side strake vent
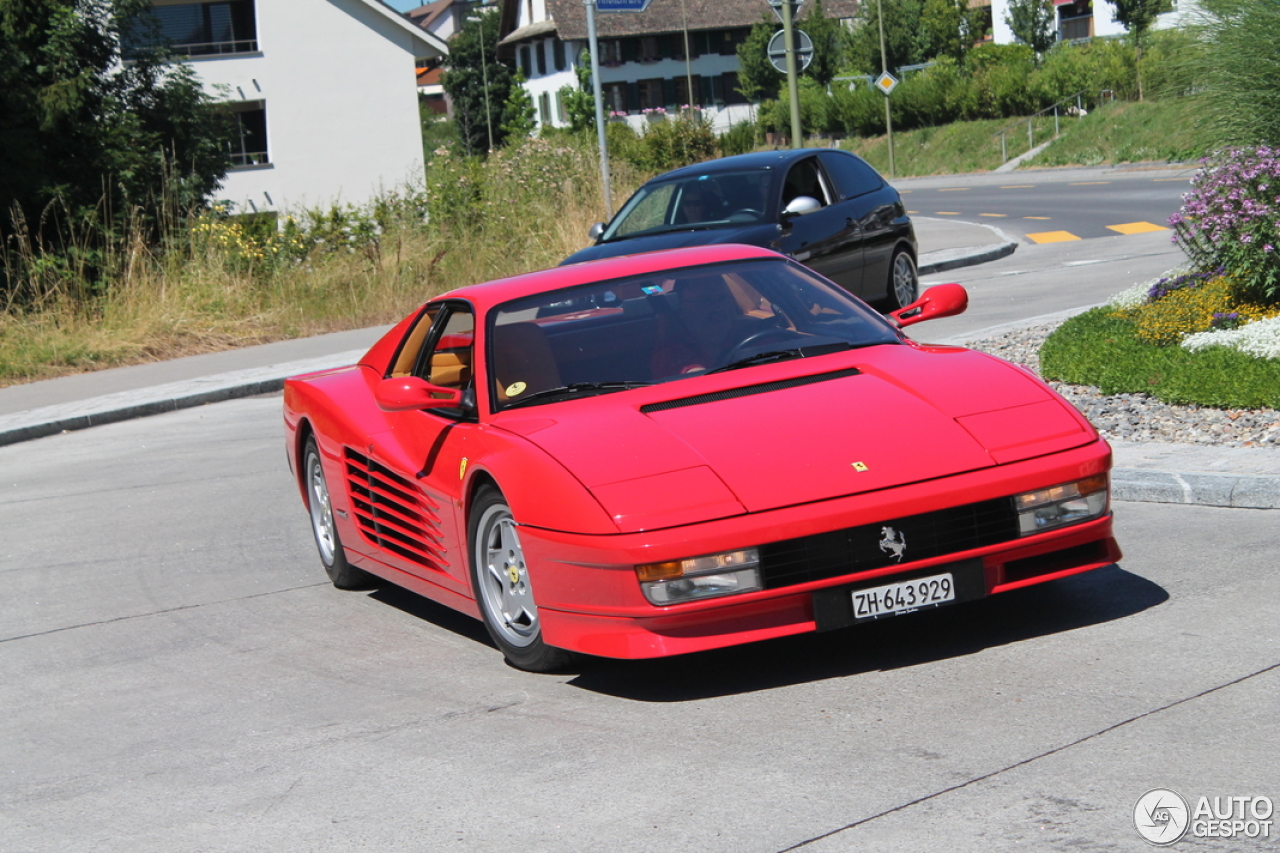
[748,391]
[393,513]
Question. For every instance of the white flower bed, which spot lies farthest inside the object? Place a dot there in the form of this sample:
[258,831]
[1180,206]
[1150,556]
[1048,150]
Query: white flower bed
[1260,338]
[1131,297]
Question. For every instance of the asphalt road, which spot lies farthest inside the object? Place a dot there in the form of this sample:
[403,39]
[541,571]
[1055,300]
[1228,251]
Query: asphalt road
[1051,206]
[175,675]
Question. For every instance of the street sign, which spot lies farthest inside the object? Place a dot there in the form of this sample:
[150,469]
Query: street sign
[622,5]
[778,50]
[885,82]
[776,6]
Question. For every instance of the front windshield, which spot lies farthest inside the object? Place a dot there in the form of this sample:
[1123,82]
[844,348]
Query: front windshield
[620,334]
[718,200]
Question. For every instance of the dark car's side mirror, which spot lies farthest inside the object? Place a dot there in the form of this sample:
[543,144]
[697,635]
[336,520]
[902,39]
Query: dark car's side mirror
[941,300]
[800,205]
[595,231]
[407,393]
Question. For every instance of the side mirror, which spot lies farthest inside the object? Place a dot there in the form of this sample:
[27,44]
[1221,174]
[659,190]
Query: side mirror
[595,231]
[408,393]
[800,205]
[941,300]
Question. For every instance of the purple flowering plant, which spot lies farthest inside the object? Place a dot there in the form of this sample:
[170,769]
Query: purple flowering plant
[1231,220]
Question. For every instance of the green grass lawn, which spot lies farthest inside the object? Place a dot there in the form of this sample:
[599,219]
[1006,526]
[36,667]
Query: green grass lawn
[1100,348]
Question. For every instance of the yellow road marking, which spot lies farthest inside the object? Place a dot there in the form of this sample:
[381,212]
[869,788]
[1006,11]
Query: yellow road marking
[1087,183]
[996,215]
[1038,217]
[1137,228]
[954,189]
[1052,237]
[946,213]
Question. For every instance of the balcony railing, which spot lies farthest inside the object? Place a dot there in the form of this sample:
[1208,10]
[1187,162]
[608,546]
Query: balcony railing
[249,158]
[213,48]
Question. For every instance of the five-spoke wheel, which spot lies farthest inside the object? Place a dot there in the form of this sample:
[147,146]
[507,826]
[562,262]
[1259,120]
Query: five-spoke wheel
[332,554]
[503,587]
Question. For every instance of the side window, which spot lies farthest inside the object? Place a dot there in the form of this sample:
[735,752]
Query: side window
[853,176]
[805,178]
[447,359]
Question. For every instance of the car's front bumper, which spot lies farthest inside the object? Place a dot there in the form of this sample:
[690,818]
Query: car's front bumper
[590,601]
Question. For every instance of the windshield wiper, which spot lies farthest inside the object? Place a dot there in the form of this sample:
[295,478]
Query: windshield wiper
[785,354]
[760,358]
[576,388]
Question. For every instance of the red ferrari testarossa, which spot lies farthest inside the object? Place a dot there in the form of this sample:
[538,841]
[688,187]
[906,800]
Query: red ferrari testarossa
[666,453]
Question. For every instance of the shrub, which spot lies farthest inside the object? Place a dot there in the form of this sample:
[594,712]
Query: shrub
[678,141]
[738,139]
[1231,219]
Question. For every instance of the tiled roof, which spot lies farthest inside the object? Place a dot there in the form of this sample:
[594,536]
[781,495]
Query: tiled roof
[665,16]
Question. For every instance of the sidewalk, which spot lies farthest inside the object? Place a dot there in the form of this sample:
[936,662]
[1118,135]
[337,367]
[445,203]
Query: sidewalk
[1163,473]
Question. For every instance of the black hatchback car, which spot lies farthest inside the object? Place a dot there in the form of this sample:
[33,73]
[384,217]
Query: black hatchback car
[828,209]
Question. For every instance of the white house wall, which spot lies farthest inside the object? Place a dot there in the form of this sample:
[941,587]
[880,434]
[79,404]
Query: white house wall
[337,79]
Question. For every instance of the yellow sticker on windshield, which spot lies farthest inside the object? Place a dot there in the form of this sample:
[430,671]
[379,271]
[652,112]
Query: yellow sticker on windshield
[515,389]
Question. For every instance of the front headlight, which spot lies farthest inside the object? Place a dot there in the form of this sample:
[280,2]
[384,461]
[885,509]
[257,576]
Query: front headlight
[696,578]
[1070,503]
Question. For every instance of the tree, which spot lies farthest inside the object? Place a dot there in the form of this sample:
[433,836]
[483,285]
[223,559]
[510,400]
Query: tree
[828,44]
[949,28]
[758,80]
[580,103]
[901,22]
[1032,23]
[1137,16]
[519,119]
[91,134]
[478,83]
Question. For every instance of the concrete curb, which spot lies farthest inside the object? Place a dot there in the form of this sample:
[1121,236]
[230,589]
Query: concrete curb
[1236,491]
[950,259]
[170,397]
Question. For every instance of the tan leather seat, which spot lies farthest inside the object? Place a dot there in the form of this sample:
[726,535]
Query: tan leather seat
[523,362]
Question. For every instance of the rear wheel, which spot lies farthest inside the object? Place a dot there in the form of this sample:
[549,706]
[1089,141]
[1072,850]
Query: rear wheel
[904,284]
[503,588]
[332,554]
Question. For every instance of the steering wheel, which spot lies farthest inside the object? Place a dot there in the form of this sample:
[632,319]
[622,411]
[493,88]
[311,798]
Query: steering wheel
[745,214]
[755,339]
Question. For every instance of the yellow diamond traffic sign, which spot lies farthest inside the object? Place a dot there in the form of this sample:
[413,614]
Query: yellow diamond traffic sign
[885,82]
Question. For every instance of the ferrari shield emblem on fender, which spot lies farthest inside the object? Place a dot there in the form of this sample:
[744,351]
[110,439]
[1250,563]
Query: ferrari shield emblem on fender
[860,466]
[893,543]
[462,468]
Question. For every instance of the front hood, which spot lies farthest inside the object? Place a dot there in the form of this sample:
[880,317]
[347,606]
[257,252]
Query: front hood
[754,235]
[780,435]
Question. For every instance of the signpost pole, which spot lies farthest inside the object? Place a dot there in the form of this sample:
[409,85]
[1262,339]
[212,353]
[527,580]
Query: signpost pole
[793,85]
[593,47]
[884,69]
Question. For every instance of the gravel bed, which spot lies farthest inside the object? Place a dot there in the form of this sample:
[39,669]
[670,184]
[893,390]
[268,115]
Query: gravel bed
[1137,417]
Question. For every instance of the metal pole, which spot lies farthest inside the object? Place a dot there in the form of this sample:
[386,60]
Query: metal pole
[593,46]
[793,83]
[484,73]
[688,64]
[884,66]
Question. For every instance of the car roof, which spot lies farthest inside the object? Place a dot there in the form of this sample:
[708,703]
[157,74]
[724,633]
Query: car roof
[739,162]
[485,296]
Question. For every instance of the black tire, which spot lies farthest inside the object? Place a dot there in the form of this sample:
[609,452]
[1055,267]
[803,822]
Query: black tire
[904,283]
[328,543]
[503,589]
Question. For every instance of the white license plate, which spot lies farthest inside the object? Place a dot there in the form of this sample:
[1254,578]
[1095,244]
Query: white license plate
[903,597]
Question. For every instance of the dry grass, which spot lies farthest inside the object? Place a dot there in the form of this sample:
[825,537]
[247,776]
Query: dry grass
[217,286]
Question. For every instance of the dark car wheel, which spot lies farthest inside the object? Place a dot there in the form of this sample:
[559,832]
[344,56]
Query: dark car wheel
[503,588]
[332,554]
[904,284]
